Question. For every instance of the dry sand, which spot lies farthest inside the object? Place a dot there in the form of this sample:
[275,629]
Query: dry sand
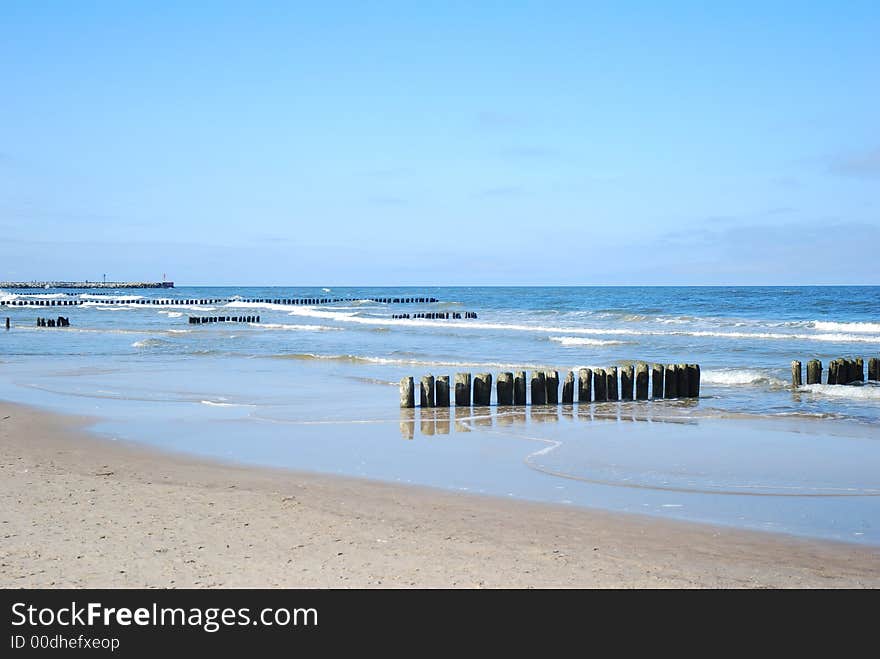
[78,511]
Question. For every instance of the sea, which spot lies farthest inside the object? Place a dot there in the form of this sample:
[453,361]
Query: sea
[315,388]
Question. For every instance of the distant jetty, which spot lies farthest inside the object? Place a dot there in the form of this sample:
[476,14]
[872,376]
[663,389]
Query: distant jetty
[85,284]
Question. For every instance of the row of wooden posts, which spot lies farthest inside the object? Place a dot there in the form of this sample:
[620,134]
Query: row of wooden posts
[199,320]
[202,301]
[635,382]
[437,315]
[49,322]
[840,371]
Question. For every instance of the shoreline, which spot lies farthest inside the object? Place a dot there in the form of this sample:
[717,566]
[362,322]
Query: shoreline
[93,512]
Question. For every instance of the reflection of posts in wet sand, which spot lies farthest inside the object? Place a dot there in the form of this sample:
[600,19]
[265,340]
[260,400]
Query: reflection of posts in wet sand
[427,421]
[407,423]
[544,413]
[441,421]
[442,416]
[511,416]
[482,416]
[462,419]
[585,412]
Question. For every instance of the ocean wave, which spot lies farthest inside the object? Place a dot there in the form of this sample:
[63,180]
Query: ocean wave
[106,305]
[150,343]
[739,376]
[213,403]
[360,359]
[353,317]
[97,296]
[828,326]
[865,392]
[832,338]
[171,314]
[303,328]
[585,341]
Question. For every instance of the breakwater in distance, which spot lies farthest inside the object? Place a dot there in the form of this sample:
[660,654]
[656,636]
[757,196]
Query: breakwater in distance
[55,302]
[83,285]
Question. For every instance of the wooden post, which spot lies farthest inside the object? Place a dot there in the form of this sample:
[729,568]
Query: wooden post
[873,365]
[568,389]
[519,388]
[657,380]
[845,371]
[427,399]
[441,391]
[585,385]
[626,382]
[693,380]
[539,388]
[7,322]
[600,384]
[504,389]
[611,383]
[462,389]
[671,381]
[859,375]
[814,372]
[642,381]
[482,389]
[681,380]
[796,374]
[832,371]
[551,382]
[407,392]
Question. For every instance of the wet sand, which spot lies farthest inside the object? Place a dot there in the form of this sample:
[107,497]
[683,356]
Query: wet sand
[82,511]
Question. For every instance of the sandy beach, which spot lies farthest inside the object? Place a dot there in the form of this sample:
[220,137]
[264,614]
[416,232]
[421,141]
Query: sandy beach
[82,511]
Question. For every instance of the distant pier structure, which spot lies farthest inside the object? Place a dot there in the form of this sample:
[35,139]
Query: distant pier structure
[84,284]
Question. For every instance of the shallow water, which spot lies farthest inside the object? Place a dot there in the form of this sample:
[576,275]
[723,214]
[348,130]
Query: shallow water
[315,388]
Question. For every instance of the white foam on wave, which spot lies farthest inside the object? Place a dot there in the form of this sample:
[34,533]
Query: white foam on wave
[738,376]
[859,327]
[352,317]
[106,305]
[291,327]
[213,403]
[367,359]
[171,314]
[869,392]
[832,338]
[585,341]
[149,343]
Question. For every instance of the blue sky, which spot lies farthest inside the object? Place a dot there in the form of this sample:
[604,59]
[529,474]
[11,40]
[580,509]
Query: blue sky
[441,143]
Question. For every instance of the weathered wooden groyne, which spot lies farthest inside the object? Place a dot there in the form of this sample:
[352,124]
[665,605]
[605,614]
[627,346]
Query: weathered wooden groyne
[846,370]
[27,285]
[640,381]
[200,320]
[211,301]
[436,315]
[49,322]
